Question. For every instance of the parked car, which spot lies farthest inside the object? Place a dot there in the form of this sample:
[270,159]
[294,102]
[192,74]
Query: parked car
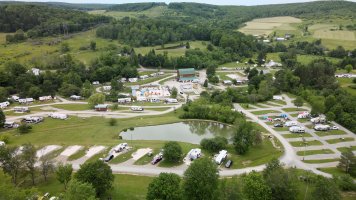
[157,158]
[278,125]
[108,158]
[334,128]
[228,163]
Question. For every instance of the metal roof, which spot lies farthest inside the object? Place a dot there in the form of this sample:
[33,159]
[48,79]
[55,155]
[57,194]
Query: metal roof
[186,71]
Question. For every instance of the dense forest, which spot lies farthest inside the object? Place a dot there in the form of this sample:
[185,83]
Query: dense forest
[134,7]
[44,20]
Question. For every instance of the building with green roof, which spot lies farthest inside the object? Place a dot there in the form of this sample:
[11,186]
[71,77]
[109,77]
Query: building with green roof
[185,75]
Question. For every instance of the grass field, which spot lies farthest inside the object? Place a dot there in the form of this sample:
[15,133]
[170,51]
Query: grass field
[314,152]
[333,171]
[320,161]
[344,149]
[293,109]
[308,143]
[331,132]
[293,135]
[265,26]
[3,38]
[173,52]
[264,112]
[153,12]
[345,83]
[72,107]
[334,141]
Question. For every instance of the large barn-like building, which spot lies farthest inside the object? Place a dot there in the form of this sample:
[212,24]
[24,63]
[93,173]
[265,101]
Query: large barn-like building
[186,75]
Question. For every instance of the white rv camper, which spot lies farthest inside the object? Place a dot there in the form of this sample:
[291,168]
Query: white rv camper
[220,157]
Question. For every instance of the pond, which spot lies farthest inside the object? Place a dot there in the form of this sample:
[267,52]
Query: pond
[190,132]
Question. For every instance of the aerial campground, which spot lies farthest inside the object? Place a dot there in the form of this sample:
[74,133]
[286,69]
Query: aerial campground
[178,101]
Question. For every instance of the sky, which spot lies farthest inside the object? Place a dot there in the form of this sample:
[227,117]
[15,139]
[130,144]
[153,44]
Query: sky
[216,2]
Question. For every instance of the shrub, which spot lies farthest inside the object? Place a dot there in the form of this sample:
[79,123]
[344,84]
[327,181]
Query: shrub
[172,152]
[214,144]
[24,128]
[112,122]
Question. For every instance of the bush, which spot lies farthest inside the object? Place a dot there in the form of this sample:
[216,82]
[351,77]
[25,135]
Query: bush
[24,128]
[115,106]
[5,138]
[112,122]
[132,128]
[172,152]
[215,144]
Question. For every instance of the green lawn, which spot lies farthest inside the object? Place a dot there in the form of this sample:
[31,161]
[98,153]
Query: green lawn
[309,143]
[148,80]
[281,128]
[294,135]
[346,84]
[334,141]
[264,112]
[302,120]
[72,107]
[320,161]
[123,157]
[246,106]
[293,109]
[78,154]
[279,102]
[314,152]
[330,132]
[259,105]
[344,149]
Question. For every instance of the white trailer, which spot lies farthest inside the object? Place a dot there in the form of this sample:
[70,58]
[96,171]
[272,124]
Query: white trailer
[291,123]
[297,129]
[194,154]
[321,127]
[120,147]
[124,100]
[136,108]
[220,157]
[170,100]
[45,98]
[318,120]
[303,115]
[58,116]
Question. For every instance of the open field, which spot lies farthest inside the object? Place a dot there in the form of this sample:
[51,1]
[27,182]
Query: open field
[346,84]
[72,107]
[304,59]
[308,143]
[320,161]
[293,135]
[38,50]
[174,52]
[264,112]
[153,12]
[330,132]
[333,171]
[334,141]
[266,26]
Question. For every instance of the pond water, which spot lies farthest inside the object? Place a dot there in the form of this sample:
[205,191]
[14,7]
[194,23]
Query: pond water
[190,132]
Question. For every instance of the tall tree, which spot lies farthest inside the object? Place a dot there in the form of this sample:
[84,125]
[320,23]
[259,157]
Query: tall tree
[64,174]
[95,99]
[2,119]
[255,187]
[165,187]
[172,152]
[29,159]
[298,102]
[348,162]
[11,162]
[46,166]
[201,180]
[97,173]
[78,190]
[325,189]
[244,137]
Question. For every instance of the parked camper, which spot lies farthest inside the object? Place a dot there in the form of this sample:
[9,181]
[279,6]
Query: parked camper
[19,109]
[220,157]
[2,143]
[227,82]
[75,97]
[137,108]
[26,100]
[169,100]
[4,104]
[157,158]
[291,123]
[96,82]
[318,120]
[124,100]
[108,158]
[34,120]
[303,115]
[106,87]
[194,154]
[45,98]
[133,80]
[141,99]
[276,97]
[321,127]
[58,116]
[297,129]
[15,98]
[143,77]
[9,124]
[120,147]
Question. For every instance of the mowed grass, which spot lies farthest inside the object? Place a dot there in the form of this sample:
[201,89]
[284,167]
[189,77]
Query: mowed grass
[334,171]
[344,149]
[320,161]
[294,135]
[314,152]
[307,143]
[72,107]
[264,112]
[179,51]
[346,84]
[37,50]
[268,25]
[330,132]
[84,131]
[334,141]
[293,109]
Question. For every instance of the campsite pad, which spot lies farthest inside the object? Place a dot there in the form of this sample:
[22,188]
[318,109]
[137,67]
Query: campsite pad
[140,153]
[46,150]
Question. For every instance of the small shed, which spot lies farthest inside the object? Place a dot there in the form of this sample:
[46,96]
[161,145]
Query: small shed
[101,107]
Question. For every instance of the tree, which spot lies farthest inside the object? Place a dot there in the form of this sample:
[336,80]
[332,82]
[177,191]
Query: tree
[244,137]
[230,190]
[165,187]
[174,92]
[24,128]
[215,144]
[348,162]
[11,162]
[348,68]
[2,118]
[112,122]
[298,102]
[46,166]
[330,116]
[93,45]
[172,152]
[201,180]
[187,45]
[95,99]
[64,174]
[280,181]
[29,159]
[345,182]
[255,187]
[78,190]
[205,83]
[97,173]
[325,189]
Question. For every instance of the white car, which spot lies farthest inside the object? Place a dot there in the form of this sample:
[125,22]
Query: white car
[334,128]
